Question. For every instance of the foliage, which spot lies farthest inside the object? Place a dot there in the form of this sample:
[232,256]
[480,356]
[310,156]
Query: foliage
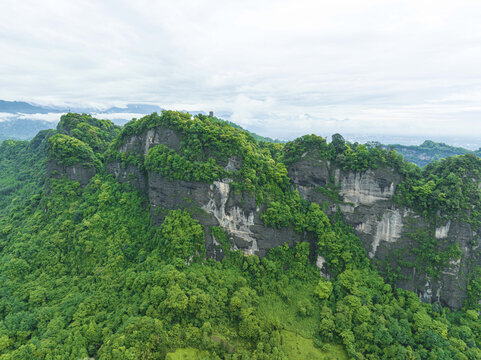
[428,151]
[22,166]
[448,187]
[206,143]
[68,151]
[170,164]
[349,157]
[473,297]
[295,150]
[84,273]
[181,237]
[96,133]
[432,255]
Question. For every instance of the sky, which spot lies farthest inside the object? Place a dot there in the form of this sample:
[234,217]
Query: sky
[281,68]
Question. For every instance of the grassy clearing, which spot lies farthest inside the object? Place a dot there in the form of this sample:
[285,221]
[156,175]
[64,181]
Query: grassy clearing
[298,347]
[296,313]
[188,354]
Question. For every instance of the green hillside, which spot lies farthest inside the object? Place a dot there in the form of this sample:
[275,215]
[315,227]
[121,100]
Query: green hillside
[430,151]
[84,272]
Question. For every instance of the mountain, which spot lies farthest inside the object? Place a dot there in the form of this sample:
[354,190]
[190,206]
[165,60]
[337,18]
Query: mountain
[135,109]
[22,129]
[429,151]
[178,237]
[16,107]
[20,107]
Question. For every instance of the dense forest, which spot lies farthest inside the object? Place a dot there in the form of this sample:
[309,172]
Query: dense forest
[85,273]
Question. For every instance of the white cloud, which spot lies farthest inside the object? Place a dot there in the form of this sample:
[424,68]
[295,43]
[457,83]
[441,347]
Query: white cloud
[50,117]
[409,67]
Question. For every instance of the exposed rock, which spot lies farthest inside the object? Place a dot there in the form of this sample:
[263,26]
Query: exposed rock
[442,231]
[385,228]
[365,199]
[233,164]
[364,188]
[218,205]
[128,173]
[142,143]
[388,229]
[80,173]
[235,221]
[211,204]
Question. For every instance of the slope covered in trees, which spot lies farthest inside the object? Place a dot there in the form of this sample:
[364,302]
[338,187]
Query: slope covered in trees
[429,151]
[85,273]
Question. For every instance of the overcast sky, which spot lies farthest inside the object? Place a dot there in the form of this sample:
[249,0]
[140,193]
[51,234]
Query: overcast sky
[283,68]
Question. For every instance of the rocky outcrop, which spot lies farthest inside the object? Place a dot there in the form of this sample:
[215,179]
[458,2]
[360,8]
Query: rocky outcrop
[142,143]
[386,229]
[214,204]
[128,173]
[364,198]
[80,173]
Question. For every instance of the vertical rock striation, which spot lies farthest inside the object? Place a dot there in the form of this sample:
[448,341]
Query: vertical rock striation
[386,229]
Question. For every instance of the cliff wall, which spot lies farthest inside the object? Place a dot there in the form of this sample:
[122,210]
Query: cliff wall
[213,204]
[390,232]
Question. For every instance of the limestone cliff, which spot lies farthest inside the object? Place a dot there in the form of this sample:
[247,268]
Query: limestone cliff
[212,204]
[365,200]
[79,172]
[386,229]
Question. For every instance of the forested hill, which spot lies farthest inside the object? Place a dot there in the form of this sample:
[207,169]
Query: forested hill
[22,129]
[185,238]
[26,129]
[429,151]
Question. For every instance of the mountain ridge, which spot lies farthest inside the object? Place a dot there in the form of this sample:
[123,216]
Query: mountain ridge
[107,246]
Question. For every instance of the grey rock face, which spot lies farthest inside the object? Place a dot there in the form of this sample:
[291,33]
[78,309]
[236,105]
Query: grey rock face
[128,173]
[217,205]
[211,204]
[385,228]
[79,173]
[365,200]
[159,135]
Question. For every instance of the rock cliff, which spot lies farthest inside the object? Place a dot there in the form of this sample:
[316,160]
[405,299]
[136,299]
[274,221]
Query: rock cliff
[81,173]
[390,232]
[212,204]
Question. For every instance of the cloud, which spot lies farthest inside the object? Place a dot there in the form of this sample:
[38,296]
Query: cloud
[50,117]
[408,67]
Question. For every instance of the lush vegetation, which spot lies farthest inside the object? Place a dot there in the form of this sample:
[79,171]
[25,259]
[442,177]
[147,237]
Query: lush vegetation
[429,151]
[22,129]
[446,188]
[167,162]
[98,134]
[22,166]
[349,157]
[207,146]
[84,273]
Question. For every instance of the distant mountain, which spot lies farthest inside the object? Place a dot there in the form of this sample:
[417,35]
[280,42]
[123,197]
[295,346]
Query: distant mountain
[23,129]
[429,151]
[17,107]
[134,109]
[21,107]
[19,128]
